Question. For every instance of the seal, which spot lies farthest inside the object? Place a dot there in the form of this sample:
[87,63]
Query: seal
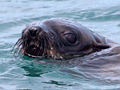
[59,39]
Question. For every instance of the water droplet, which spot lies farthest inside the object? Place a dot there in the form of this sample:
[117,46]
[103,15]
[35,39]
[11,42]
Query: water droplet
[20,59]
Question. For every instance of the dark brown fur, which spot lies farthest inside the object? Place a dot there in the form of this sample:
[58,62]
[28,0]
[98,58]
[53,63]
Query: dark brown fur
[59,38]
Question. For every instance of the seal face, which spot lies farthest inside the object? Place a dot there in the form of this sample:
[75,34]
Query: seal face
[58,38]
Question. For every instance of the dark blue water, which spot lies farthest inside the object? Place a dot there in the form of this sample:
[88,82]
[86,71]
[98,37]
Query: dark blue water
[18,73]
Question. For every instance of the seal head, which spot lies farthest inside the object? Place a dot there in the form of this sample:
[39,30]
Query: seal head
[58,38]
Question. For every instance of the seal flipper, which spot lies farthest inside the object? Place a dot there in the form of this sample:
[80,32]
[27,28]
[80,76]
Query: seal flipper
[101,46]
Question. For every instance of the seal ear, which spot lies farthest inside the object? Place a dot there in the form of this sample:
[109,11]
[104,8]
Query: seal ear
[101,46]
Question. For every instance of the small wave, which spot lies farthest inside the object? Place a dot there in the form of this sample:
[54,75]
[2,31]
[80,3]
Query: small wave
[98,14]
[24,21]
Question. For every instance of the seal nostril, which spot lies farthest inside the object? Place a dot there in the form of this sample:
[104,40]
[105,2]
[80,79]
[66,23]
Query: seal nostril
[33,32]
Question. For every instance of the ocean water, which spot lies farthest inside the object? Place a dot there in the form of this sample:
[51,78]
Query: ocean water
[25,73]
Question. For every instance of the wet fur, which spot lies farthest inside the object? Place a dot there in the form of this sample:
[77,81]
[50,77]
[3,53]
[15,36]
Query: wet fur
[50,45]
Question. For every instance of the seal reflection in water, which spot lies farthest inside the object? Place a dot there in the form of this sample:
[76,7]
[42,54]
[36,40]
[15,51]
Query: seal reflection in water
[59,39]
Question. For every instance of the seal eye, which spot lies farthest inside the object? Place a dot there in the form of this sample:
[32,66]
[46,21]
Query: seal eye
[71,38]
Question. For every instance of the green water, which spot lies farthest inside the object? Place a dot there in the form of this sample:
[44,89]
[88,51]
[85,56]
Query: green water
[24,73]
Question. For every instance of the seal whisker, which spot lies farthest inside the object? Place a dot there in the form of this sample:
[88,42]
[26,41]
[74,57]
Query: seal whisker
[44,45]
[17,48]
[39,47]
[53,45]
[17,43]
[40,57]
